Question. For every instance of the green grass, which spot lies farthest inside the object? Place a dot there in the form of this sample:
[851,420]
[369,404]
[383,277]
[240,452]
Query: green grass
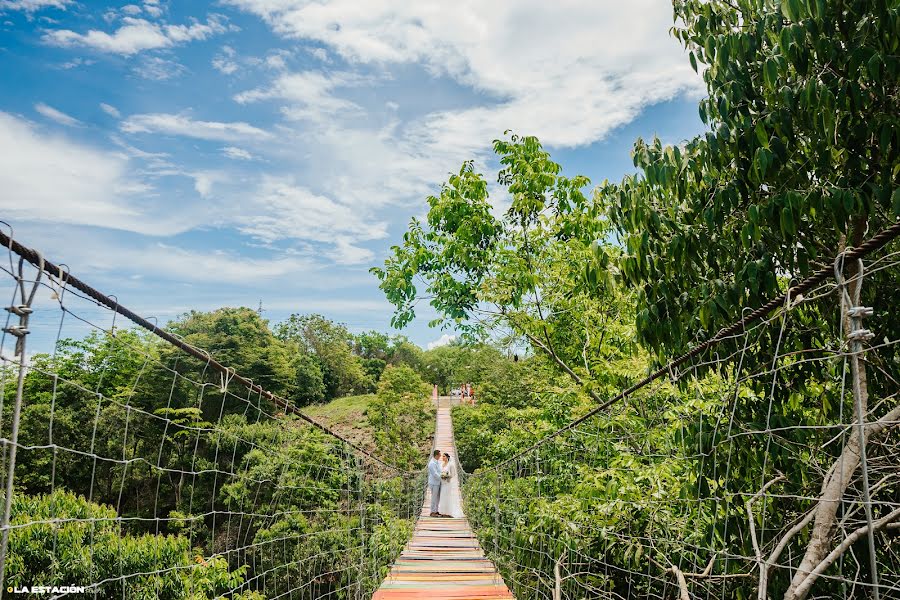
[346,416]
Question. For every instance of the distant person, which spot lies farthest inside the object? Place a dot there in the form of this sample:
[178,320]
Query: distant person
[434,482]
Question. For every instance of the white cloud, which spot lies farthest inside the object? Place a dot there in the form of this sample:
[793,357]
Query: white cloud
[37,167]
[183,125]
[203,183]
[309,94]
[173,263]
[320,54]
[152,8]
[224,64]
[57,115]
[159,69]
[76,62]
[568,72]
[131,9]
[110,110]
[136,35]
[444,340]
[276,61]
[346,253]
[281,209]
[31,6]
[236,153]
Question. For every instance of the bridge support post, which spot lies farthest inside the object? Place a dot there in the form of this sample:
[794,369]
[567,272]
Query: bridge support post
[20,331]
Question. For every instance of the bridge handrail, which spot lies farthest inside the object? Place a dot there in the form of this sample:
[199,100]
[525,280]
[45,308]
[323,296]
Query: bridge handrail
[67,279]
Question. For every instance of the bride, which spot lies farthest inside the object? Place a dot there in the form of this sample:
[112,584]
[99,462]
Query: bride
[449,504]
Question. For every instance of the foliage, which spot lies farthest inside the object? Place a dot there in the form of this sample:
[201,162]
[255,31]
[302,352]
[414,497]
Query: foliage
[331,344]
[402,416]
[802,152]
[241,339]
[85,545]
[801,159]
[211,481]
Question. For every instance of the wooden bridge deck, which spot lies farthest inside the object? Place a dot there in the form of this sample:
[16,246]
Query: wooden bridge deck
[443,559]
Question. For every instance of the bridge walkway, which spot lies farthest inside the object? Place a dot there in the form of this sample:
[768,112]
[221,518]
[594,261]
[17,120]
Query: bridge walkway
[443,560]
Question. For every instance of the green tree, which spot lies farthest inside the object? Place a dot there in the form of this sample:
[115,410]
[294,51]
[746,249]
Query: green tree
[402,416]
[331,344]
[802,157]
[310,380]
[76,542]
[240,339]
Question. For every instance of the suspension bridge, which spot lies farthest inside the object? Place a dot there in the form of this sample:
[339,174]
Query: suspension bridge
[443,559]
[138,465]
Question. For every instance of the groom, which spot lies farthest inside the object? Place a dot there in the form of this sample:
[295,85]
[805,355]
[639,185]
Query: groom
[434,482]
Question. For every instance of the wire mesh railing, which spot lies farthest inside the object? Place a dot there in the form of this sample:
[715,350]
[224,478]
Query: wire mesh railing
[760,466]
[137,466]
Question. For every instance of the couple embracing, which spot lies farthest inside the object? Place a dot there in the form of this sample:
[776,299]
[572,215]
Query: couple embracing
[444,496]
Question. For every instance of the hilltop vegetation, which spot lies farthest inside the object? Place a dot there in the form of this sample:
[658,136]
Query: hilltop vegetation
[153,465]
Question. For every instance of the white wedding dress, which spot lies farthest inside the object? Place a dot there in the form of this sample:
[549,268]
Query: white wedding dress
[450,502]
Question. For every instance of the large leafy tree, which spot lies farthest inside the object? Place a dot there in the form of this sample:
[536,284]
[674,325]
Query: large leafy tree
[801,160]
[541,270]
[802,156]
[241,340]
[332,346]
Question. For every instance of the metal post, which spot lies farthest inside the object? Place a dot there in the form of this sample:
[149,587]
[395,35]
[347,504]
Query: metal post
[362,529]
[856,336]
[497,528]
[23,311]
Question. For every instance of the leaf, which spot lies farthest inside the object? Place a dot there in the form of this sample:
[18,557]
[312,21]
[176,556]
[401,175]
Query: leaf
[771,73]
[886,133]
[722,56]
[895,202]
[874,68]
[693,61]
[787,222]
[761,134]
[787,10]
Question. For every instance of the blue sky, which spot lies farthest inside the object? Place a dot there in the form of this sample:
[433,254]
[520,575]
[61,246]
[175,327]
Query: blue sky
[201,154]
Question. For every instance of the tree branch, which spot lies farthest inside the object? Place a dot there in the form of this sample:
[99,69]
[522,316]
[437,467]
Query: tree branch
[766,567]
[834,485]
[851,539]
[682,582]
[749,506]
[562,364]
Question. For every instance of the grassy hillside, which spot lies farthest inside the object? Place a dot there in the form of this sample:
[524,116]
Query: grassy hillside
[347,416]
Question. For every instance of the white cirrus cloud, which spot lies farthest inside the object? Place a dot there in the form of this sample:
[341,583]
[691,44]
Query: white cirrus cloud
[235,153]
[31,6]
[155,68]
[569,71]
[183,125]
[283,210]
[57,115]
[110,110]
[37,166]
[136,35]
[309,94]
